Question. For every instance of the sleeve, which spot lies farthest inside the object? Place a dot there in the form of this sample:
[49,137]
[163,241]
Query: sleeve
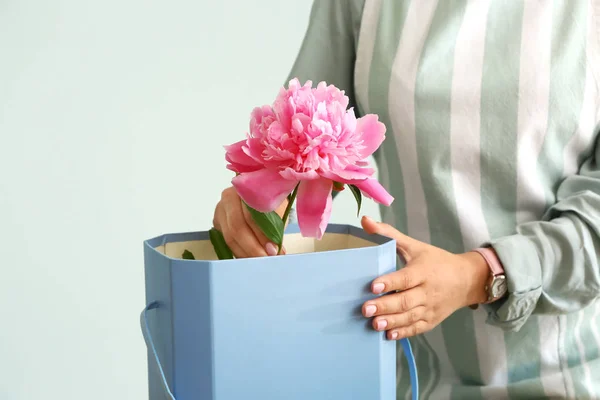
[328,50]
[552,266]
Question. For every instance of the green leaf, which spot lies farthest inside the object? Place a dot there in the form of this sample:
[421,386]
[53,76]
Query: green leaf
[218,241]
[270,224]
[357,195]
[187,255]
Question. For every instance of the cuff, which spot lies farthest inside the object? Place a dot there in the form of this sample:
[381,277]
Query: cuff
[524,279]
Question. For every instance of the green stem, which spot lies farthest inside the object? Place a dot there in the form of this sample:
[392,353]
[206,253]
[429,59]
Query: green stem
[286,214]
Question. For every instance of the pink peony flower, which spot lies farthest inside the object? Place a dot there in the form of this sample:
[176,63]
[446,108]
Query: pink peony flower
[309,137]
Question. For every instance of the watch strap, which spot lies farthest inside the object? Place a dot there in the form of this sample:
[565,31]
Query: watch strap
[492,259]
[496,268]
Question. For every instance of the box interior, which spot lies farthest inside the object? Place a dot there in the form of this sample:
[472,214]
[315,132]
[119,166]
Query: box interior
[294,243]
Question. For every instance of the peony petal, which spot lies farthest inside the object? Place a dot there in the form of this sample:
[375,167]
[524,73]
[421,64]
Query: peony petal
[351,174]
[264,190]
[314,207]
[373,190]
[372,133]
[238,160]
[290,174]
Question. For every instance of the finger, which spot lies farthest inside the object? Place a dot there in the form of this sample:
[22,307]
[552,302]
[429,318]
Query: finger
[406,245]
[392,321]
[403,279]
[240,234]
[245,239]
[395,303]
[269,247]
[415,329]
[235,248]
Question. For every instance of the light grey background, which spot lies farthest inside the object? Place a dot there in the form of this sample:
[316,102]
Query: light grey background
[112,119]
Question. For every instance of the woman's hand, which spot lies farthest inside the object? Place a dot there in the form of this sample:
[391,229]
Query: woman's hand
[433,284]
[242,235]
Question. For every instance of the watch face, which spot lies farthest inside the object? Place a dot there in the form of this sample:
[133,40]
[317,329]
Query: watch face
[498,286]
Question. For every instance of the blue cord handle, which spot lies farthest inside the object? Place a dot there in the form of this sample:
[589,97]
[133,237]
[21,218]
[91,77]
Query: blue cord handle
[150,345]
[412,367]
[405,343]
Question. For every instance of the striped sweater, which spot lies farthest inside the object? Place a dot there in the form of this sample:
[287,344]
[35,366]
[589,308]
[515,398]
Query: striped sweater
[491,109]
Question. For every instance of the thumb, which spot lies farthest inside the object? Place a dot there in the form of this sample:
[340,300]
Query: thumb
[407,246]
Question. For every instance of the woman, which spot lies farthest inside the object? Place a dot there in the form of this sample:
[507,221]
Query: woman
[493,159]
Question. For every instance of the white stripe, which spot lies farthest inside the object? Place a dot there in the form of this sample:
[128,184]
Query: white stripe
[448,376]
[402,111]
[595,321]
[534,92]
[582,138]
[567,378]
[362,72]
[552,378]
[364,52]
[581,348]
[465,123]
[572,156]
[465,153]
[401,108]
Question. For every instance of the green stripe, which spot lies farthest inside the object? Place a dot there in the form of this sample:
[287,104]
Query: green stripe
[435,373]
[567,86]
[499,126]
[433,102]
[389,29]
[391,22]
[459,331]
[499,116]
[525,363]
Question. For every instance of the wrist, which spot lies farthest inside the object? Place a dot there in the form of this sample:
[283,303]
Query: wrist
[478,275]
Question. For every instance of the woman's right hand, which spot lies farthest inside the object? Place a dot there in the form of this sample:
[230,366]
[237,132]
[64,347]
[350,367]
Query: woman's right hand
[242,235]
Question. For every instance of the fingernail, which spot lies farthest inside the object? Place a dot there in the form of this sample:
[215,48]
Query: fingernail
[283,250]
[271,249]
[370,310]
[378,288]
[394,335]
[369,219]
[381,324]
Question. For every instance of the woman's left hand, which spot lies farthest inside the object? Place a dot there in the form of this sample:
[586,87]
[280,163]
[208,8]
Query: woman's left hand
[433,284]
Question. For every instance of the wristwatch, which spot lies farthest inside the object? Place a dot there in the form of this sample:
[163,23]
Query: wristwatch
[496,286]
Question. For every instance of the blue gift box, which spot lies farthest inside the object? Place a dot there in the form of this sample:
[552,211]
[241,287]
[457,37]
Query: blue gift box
[285,327]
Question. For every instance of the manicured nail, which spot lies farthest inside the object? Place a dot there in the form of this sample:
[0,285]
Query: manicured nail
[271,249]
[381,324]
[370,310]
[378,288]
[394,335]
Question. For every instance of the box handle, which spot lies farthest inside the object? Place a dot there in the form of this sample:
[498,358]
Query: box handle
[412,367]
[150,345]
[405,343]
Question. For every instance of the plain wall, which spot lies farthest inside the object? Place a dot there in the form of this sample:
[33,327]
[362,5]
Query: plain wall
[113,115]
